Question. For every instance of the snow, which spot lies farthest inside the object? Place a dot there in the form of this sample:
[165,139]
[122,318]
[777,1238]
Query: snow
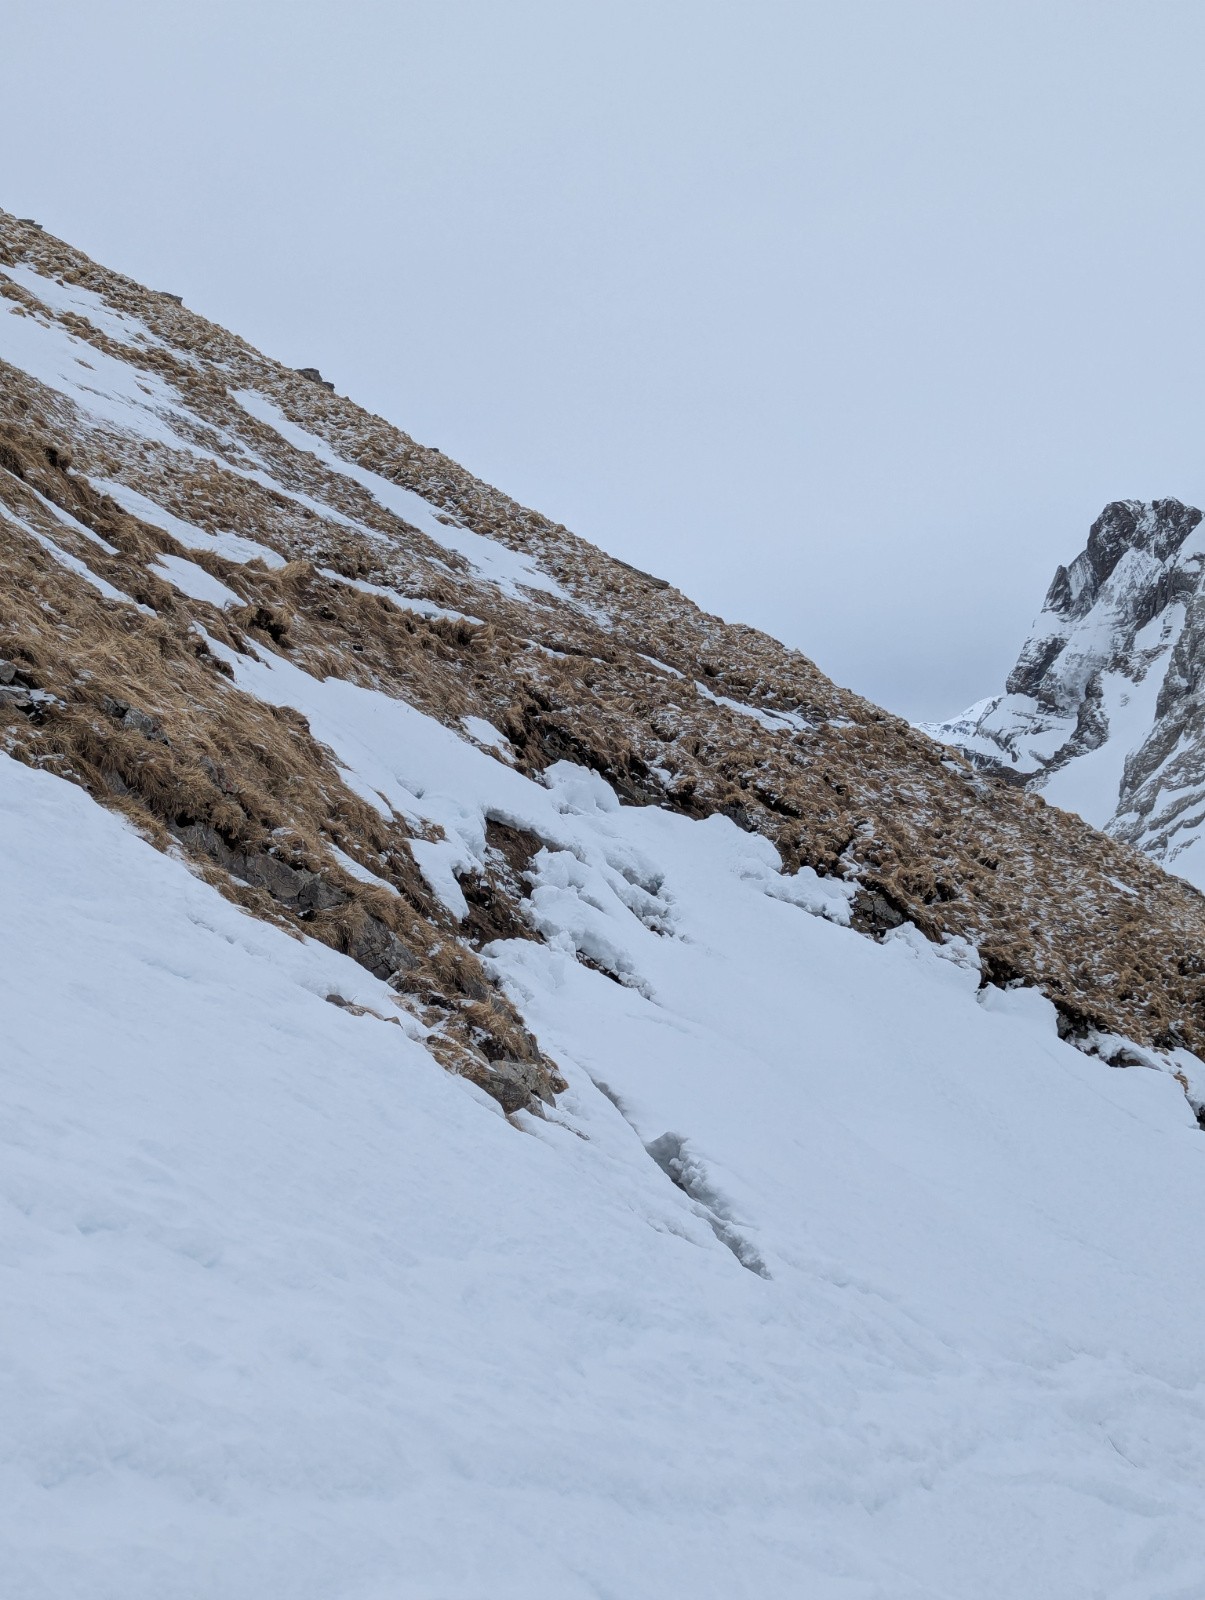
[68,521]
[230,546]
[490,738]
[194,581]
[1187,860]
[963,725]
[357,870]
[132,400]
[832,1274]
[404,602]
[73,564]
[1091,783]
[513,572]
[661,666]
[73,297]
[774,721]
[106,389]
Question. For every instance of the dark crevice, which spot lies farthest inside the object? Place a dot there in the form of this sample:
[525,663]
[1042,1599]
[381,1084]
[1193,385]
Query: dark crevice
[686,1171]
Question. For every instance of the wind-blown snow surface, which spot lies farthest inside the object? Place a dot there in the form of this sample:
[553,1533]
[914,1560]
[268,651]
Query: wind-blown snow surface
[292,1313]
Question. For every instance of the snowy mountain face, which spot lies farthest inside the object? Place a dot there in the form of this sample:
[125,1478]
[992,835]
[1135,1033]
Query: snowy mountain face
[514,1087]
[1104,711]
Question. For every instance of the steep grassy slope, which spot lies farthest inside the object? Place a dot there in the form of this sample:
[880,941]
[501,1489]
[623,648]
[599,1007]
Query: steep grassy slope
[169,496]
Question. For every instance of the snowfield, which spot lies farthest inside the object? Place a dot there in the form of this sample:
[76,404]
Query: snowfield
[832,1275]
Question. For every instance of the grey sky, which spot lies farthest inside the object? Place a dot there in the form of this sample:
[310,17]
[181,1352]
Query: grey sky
[846,317]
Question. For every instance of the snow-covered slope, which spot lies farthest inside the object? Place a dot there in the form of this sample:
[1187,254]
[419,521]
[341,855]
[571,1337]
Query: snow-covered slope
[830,1275]
[1103,713]
[513,1087]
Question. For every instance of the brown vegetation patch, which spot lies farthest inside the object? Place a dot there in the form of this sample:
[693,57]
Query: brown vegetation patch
[836,783]
[136,709]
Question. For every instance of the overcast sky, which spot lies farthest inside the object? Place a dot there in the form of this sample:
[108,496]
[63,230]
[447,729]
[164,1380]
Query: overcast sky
[846,317]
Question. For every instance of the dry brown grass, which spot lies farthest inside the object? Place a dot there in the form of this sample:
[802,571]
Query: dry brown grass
[203,765]
[859,793]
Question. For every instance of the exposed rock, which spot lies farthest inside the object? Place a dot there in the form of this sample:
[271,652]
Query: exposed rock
[292,887]
[1104,711]
[369,941]
[874,912]
[315,376]
[519,1085]
[142,722]
[132,717]
[639,572]
[495,896]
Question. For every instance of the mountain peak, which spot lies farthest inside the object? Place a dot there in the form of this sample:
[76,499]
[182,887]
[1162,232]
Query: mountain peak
[1157,527]
[1102,711]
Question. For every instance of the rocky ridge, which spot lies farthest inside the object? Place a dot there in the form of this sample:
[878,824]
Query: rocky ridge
[1104,711]
[173,503]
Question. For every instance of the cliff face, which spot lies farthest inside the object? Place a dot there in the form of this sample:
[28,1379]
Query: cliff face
[177,508]
[1103,712]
